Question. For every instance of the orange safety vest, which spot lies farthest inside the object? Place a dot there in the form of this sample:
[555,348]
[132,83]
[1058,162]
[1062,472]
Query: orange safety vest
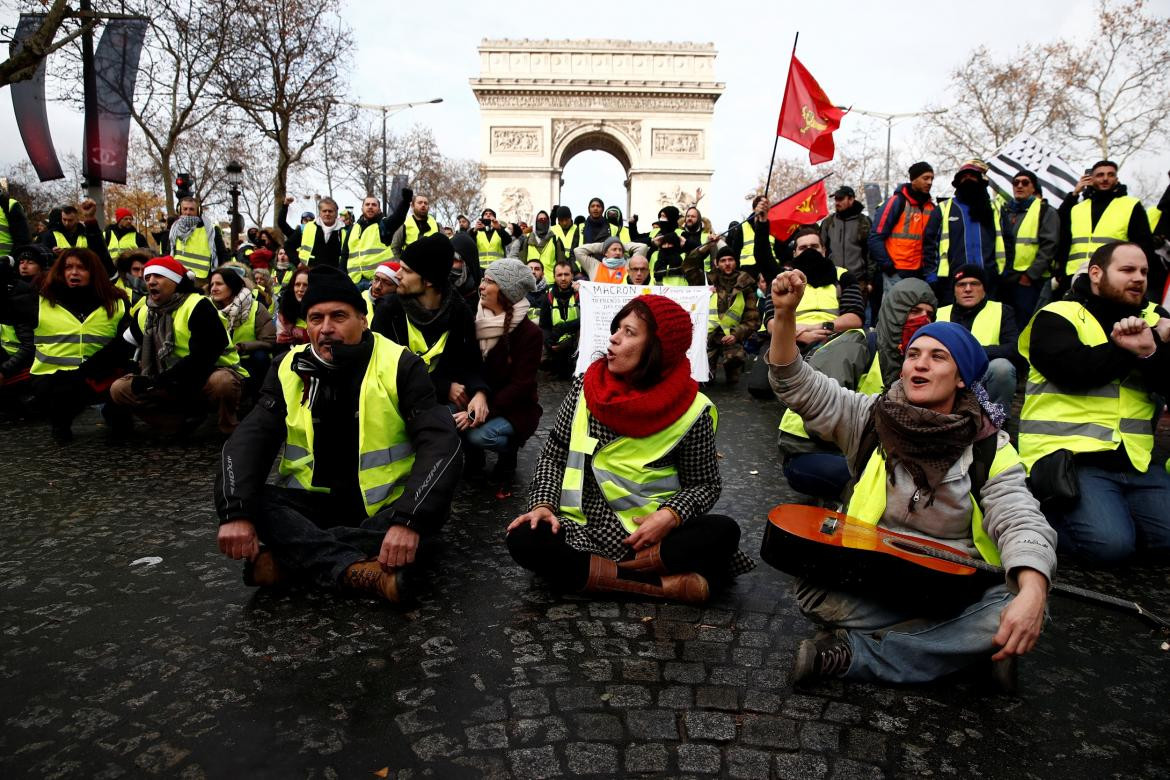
[607,275]
[904,244]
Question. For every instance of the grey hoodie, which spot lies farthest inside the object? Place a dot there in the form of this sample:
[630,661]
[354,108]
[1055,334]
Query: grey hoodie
[896,304]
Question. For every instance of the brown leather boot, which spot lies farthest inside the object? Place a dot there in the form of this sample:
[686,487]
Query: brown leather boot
[263,571]
[690,588]
[648,559]
[368,578]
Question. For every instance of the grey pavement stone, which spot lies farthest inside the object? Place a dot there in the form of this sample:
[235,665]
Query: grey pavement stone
[847,769]
[640,671]
[714,697]
[705,759]
[597,727]
[716,726]
[534,763]
[762,701]
[652,724]
[587,758]
[684,672]
[800,766]
[529,702]
[646,759]
[820,737]
[578,697]
[768,731]
[676,697]
[489,736]
[748,763]
[626,696]
[865,745]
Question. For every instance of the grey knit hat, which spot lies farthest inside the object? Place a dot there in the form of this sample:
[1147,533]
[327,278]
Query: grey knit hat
[513,278]
[607,243]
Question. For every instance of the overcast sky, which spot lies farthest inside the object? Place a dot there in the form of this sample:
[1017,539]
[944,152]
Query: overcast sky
[890,57]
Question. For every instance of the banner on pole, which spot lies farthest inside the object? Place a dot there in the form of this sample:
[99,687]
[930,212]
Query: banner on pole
[115,65]
[28,103]
[600,302]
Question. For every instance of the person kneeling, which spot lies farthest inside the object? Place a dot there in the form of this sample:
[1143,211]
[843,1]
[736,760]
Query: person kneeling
[620,495]
[370,459]
[912,448]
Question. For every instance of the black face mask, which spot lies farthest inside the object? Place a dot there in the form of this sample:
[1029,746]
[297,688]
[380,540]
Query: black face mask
[816,268]
[614,219]
[541,228]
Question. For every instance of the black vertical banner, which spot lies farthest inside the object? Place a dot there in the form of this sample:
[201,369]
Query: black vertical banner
[28,103]
[115,66]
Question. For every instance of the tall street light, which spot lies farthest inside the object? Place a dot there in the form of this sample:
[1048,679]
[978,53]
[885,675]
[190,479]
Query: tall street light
[889,131]
[390,110]
[234,171]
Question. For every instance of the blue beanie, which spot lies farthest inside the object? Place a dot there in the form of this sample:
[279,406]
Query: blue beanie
[968,354]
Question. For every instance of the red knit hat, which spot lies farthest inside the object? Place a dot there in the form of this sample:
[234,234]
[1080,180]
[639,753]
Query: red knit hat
[120,214]
[673,326]
[165,266]
[260,258]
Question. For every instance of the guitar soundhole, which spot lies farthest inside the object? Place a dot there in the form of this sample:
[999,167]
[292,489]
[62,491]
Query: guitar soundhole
[830,525]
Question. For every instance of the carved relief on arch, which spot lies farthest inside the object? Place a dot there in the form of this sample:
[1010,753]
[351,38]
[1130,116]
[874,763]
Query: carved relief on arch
[677,143]
[516,140]
[630,128]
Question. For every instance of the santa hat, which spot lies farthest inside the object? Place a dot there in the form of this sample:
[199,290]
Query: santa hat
[388,269]
[166,267]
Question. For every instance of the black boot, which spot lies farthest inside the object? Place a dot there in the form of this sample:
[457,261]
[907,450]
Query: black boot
[820,658]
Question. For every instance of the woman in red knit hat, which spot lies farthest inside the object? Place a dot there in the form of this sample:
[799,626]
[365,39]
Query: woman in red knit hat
[620,498]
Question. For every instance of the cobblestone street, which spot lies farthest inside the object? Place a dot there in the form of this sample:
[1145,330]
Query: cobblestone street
[131,648]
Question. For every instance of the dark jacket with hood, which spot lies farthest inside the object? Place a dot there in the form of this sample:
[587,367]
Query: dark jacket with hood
[845,235]
[886,220]
[762,251]
[896,305]
[981,214]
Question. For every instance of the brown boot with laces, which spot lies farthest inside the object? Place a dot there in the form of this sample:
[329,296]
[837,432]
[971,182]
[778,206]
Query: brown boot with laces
[263,571]
[606,577]
[369,579]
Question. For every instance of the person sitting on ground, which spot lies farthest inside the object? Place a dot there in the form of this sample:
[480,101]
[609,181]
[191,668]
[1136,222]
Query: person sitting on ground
[129,277]
[369,465]
[560,321]
[249,325]
[833,303]
[607,261]
[262,286]
[77,335]
[291,328]
[1099,360]
[186,359]
[384,282]
[432,321]
[620,497]
[670,266]
[18,303]
[992,324]
[466,273]
[910,450]
[538,293]
[733,315]
[510,345]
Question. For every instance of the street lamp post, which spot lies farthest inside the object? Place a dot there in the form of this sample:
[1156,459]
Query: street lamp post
[234,169]
[390,110]
[889,118]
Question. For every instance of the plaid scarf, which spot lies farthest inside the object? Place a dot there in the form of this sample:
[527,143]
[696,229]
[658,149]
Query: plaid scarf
[158,337]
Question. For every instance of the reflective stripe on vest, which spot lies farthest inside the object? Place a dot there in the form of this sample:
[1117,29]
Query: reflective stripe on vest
[1028,238]
[1098,419]
[385,455]
[63,243]
[9,340]
[418,345]
[985,328]
[1113,226]
[870,383]
[868,502]
[62,342]
[747,253]
[820,304]
[366,251]
[904,244]
[194,252]
[489,249]
[247,330]
[181,317]
[944,244]
[728,320]
[622,467]
[572,313]
[411,233]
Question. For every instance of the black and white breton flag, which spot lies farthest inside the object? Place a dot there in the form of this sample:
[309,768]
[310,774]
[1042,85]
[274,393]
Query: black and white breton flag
[1024,152]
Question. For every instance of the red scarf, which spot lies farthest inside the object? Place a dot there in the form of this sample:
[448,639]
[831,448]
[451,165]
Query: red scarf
[638,413]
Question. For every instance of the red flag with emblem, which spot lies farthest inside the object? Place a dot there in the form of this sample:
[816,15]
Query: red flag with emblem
[807,116]
[806,207]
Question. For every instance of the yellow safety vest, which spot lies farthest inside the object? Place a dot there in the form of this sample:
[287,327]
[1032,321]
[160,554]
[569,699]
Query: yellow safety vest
[194,252]
[868,502]
[410,228]
[870,383]
[369,299]
[1112,227]
[670,277]
[247,330]
[491,249]
[63,242]
[572,313]
[385,455]
[62,342]
[308,239]
[418,345]
[1028,238]
[944,244]
[728,320]
[5,232]
[8,340]
[1098,419]
[366,251]
[115,244]
[181,317]
[1154,215]
[569,239]
[820,304]
[547,256]
[622,467]
[747,252]
[985,328]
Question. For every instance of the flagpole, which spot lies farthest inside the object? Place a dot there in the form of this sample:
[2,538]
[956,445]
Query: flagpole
[776,143]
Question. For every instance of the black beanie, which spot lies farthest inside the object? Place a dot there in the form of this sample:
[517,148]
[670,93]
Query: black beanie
[327,283]
[1032,178]
[431,257]
[672,215]
[969,271]
[919,168]
[726,251]
[563,212]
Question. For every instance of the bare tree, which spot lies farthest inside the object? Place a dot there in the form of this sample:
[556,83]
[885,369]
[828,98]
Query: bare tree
[283,80]
[43,42]
[39,198]
[460,191]
[359,156]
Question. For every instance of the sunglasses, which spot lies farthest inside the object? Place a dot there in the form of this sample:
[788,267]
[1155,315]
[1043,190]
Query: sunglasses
[1016,182]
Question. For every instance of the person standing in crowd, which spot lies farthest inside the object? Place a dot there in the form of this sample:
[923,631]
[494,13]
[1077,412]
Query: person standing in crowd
[129,279]
[567,232]
[77,336]
[621,495]
[1099,360]
[1107,213]
[733,315]
[923,432]
[318,242]
[845,238]
[560,321]
[510,344]
[465,269]
[541,244]
[369,465]
[18,303]
[613,215]
[291,328]
[65,231]
[250,327]
[606,261]
[32,262]
[597,228]
[833,302]
[537,294]
[993,325]
[752,242]
[196,242]
[14,231]
[694,234]
[186,359]
[964,230]
[671,266]
[1031,234]
[418,223]
[638,270]
[122,235]
[491,237]
[896,238]
[432,321]
[368,241]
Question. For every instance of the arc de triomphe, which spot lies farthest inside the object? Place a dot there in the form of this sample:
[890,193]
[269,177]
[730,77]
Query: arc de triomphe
[541,102]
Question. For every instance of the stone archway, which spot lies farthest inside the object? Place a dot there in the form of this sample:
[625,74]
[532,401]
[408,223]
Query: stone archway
[650,105]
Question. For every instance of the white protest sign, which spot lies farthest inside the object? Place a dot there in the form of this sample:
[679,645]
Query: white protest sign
[600,302]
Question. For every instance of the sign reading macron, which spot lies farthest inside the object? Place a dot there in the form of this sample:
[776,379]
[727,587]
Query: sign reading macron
[600,302]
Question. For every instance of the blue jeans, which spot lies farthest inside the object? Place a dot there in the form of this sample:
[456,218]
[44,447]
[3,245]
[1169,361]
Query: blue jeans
[819,474]
[1000,382]
[1117,513]
[495,435]
[896,646]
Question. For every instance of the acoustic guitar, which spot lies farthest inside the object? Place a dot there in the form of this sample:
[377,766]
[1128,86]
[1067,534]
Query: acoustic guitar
[836,550]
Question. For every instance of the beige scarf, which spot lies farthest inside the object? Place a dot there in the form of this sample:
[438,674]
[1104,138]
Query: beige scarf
[490,327]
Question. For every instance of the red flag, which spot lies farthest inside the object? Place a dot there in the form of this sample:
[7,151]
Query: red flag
[807,116]
[804,208]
